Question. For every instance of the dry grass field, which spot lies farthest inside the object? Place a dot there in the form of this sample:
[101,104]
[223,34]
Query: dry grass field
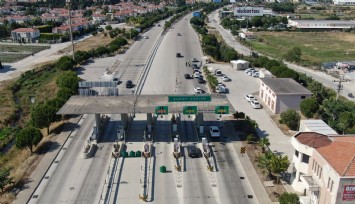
[317,47]
[91,43]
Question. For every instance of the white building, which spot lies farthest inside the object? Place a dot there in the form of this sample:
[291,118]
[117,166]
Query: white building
[344,2]
[280,94]
[318,126]
[324,168]
[25,35]
[321,24]
[239,64]
[264,73]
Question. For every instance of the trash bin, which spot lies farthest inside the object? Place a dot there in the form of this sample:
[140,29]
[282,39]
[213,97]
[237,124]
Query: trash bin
[124,154]
[162,169]
[138,153]
[132,153]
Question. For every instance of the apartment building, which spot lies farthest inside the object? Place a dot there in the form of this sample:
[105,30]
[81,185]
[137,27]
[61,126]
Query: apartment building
[324,168]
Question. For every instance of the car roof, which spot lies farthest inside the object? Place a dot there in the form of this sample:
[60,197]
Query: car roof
[214,127]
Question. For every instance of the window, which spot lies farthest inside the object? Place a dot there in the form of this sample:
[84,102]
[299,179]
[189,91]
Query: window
[320,173]
[273,94]
[313,165]
[262,94]
[296,153]
[330,184]
[305,158]
[262,84]
[303,97]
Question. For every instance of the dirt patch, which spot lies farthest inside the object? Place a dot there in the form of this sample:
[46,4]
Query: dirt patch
[273,192]
[90,43]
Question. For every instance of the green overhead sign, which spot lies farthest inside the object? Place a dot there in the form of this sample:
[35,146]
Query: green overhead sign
[189,110]
[161,110]
[221,110]
[205,98]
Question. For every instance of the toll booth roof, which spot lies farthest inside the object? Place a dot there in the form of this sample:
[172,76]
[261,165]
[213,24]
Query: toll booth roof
[141,104]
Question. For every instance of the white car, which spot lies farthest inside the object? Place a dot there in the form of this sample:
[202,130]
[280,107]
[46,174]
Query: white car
[198,90]
[251,72]
[255,104]
[225,78]
[194,60]
[249,69]
[256,74]
[146,37]
[250,98]
[196,75]
[214,131]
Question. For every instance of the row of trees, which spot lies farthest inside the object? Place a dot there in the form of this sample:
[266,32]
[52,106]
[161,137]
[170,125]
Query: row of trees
[210,45]
[260,22]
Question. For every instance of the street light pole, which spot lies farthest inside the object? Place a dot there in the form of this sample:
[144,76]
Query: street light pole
[70,29]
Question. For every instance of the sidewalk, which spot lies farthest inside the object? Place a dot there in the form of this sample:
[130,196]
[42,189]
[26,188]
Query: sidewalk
[24,195]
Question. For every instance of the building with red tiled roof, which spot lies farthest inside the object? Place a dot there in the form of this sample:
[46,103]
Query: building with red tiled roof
[25,35]
[324,167]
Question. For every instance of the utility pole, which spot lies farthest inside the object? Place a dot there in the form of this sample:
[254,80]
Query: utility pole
[340,87]
[70,29]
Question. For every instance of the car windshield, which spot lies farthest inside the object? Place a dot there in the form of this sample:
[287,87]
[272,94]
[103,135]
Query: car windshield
[215,130]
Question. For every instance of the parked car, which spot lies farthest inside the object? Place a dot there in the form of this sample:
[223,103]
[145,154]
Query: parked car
[192,150]
[218,72]
[249,69]
[145,37]
[251,72]
[178,54]
[196,75]
[129,84]
[158,25]
[256,74]
[178,34]
[200,80]
[214,131]
[249,97]
[187,76]
[194,59]
[255,104]
[225,78]
[198,90]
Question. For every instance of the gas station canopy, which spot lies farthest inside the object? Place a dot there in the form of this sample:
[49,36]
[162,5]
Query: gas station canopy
[142,104]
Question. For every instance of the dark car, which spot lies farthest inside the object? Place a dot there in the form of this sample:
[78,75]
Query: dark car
[158,25]
[200,80]
[129,84]
[178,54]
[187,76]
[193,151]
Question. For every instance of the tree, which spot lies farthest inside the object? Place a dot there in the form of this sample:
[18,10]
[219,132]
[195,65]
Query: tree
[293,55]
[264,163]
[65,63]
[289,198]
[346,120]
[5,178]
[28,137]
[278,165]
[42,115]
[108,27]
[290,118]
[263,143]
[250,139]
[228,53]
[309,107]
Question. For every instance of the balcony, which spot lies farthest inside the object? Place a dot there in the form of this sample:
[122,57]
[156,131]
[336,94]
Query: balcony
[311,184]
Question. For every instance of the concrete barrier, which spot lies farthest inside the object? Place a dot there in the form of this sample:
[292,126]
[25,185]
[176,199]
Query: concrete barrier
[88,150]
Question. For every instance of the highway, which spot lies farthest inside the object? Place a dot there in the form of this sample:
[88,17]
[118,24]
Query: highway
[102,179]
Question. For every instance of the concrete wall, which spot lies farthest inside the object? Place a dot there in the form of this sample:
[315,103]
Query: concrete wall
[284,102]
[268,96]
[301,168]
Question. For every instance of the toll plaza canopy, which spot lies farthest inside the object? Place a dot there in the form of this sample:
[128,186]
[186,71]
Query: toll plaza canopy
[142,104]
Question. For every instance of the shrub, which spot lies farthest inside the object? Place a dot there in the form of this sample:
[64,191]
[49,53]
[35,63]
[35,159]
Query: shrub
[289,198]
[309,107]
[290,118]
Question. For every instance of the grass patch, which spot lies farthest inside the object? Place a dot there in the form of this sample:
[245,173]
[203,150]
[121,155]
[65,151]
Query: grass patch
[317,47]
[13,53]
